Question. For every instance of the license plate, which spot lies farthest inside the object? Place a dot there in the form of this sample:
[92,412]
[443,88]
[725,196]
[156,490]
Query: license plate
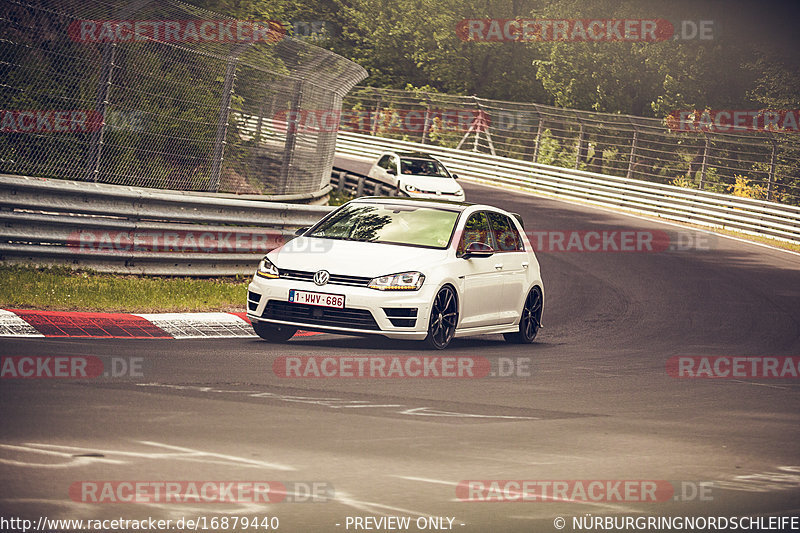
[317,298]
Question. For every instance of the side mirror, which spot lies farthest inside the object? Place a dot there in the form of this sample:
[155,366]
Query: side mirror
[478,249]
[301,231]
[392,171]
[455,176]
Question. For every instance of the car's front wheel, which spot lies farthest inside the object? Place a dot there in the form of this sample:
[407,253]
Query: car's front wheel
[273,333]
[444,318]
[530,321]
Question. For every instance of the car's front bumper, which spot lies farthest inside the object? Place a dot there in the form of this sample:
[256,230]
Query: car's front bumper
[366,312]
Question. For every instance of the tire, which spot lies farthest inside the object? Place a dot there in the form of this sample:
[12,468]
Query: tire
[274,333]
[530,320]
[443,320]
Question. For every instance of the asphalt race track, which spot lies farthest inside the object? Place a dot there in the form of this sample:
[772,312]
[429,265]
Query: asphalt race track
[595,402]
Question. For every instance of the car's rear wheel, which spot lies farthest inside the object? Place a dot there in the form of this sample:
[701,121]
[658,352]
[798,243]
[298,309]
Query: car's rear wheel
[274,333]
[444,318]
[530,321]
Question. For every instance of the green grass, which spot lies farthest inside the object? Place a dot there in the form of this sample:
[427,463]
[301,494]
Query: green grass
[63,289]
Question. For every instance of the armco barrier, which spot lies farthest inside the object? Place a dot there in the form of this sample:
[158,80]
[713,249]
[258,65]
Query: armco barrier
[114,228]
[360,185]
[746,215]
[111,228]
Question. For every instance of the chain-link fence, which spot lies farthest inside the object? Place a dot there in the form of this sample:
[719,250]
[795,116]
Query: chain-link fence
[157,93]
[759,164]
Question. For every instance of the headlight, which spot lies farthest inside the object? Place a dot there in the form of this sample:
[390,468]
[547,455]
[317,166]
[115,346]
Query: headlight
[410,188]
[267,270]
[405,281]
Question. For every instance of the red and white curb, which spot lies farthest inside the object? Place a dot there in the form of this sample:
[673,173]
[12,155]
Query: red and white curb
[24,323]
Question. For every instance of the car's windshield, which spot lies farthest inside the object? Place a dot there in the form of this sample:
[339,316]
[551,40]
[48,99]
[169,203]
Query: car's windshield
[390,223]
[422,167]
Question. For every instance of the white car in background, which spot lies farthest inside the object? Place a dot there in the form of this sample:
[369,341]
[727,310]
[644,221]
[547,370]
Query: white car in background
[405,269]
[417,175]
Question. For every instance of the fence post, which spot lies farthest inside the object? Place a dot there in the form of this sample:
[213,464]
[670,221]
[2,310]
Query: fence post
[291,140]
[538,137]
[772,163]
[579,151]
[704,165]
[259,122]
[426,123]
[477,123]
[222,125]
[632,158]
[376,116]
[103,89]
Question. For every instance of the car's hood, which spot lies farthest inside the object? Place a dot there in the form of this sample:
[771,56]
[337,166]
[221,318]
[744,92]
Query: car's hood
[353,258]
[432,183]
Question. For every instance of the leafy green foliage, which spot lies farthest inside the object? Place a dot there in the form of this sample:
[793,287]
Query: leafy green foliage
[746,64]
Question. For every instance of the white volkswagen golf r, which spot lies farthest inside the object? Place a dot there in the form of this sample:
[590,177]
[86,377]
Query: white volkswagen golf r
[403,268]
[417,175]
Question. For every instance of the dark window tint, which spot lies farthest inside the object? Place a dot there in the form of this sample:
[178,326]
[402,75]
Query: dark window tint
[506,236]
[475,230]
[385,161]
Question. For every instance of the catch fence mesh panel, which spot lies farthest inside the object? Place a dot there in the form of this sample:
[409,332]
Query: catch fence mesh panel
[86,96]
[758,164]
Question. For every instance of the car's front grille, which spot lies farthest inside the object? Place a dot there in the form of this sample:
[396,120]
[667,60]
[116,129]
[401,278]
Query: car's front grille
[335,279]
[320,316]
[441,193]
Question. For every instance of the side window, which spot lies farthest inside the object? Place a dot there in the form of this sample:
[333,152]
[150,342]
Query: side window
[476,229]
[383,162]
[505,233]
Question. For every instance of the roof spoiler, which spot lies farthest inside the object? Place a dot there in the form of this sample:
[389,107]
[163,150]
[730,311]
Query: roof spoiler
[519,218]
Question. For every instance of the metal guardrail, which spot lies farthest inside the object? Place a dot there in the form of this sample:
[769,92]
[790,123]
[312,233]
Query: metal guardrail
[745,215]
[111,228]
[360,185]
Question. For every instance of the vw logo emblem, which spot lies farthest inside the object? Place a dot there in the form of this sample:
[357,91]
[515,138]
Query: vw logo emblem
[321,277]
